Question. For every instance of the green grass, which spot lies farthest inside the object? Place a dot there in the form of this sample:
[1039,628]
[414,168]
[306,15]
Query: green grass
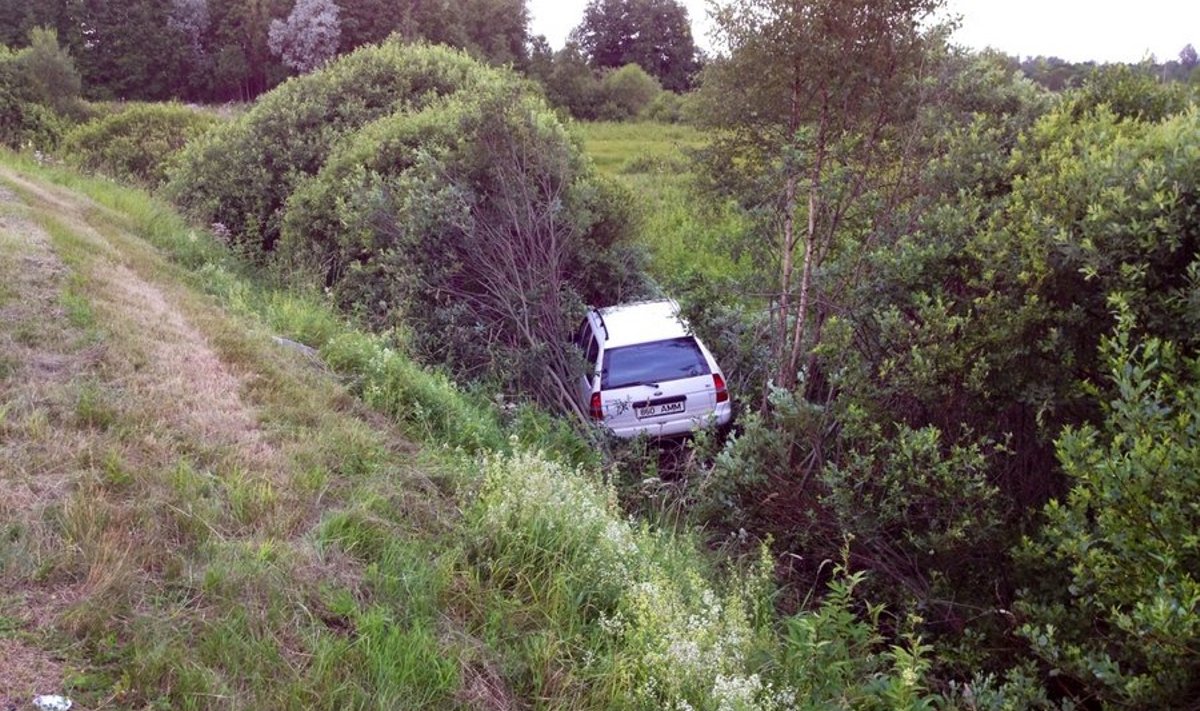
[688,236]
[624,148]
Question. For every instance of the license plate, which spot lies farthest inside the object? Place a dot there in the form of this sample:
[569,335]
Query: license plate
[666,408]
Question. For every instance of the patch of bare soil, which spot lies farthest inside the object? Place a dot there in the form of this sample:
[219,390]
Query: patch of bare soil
[28,672]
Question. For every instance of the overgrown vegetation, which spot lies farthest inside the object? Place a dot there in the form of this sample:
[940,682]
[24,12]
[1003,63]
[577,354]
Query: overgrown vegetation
[39,88]
[135,144]
[958,313]
[339,574]
[449,202]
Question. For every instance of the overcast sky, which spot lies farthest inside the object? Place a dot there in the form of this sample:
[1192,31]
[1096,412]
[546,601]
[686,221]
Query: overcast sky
[1075,30]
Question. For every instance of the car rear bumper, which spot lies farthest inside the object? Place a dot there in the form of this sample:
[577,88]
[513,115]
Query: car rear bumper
[718,417]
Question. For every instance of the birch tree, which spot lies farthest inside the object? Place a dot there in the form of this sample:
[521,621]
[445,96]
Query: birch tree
[804,101]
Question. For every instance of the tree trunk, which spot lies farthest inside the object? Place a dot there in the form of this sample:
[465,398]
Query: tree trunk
[784,377]
[810,243]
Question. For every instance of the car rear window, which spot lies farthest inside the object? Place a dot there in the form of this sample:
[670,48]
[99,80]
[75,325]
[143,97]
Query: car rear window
[655,362]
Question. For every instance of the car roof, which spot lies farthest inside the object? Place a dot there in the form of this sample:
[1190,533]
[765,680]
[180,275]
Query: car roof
[642,322]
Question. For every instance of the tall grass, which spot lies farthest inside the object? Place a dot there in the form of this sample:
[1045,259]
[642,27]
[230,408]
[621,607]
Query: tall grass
[688,237]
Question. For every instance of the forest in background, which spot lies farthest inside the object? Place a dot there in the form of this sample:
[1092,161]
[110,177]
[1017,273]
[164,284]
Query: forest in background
[221,50]
[957,296]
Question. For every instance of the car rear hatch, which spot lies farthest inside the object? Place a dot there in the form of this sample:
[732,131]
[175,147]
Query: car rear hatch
[649,385]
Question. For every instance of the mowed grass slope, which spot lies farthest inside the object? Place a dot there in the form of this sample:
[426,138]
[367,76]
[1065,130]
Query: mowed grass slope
[178,494]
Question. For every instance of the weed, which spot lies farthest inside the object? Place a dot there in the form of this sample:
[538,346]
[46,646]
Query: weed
[92,408]
[116,476]
[8,367]
[79,310]
[252,499]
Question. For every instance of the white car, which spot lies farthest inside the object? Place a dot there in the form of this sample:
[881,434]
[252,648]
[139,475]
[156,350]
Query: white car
[647,373]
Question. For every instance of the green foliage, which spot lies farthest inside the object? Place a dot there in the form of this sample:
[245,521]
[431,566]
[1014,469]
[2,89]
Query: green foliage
[911,502]
[241,174]
[1130,92]
[30,87]
[28,125]
[476,224]
[628,92]
[654,34]
[51,77]
[136,144]
[658,635]
[569,82]
[1119,605]
[427,402]
[668,107]
[835,87]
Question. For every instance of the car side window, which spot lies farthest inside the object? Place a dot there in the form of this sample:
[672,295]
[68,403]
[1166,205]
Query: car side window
[581,335]
[593,352]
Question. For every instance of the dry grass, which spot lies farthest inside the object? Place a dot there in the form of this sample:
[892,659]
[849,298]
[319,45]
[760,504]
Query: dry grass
[163,470]
[42,357]
[174,366]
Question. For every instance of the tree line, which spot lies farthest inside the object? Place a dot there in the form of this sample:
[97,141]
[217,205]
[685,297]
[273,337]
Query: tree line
[234,50]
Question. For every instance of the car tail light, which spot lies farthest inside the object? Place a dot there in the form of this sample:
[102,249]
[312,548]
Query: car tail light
[722,392]
[596,410]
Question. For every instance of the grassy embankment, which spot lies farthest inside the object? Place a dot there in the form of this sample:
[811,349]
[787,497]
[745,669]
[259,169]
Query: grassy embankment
[196,517]
[684,236]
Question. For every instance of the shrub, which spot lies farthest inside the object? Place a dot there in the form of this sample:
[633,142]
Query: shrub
[666,107]
[571,84]
[23,121]
[477,224]
[241,174]
[24,124]
[136,144]
[50,73]
[1119,608]
[628,91]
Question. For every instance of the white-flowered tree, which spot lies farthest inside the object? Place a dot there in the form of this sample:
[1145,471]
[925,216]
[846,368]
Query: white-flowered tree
[309,37]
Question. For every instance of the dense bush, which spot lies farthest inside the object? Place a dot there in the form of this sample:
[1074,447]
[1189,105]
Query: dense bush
[135,144]
[476,223]
[667,107]
[628,92]
[958,335]
[38,85]
[1117,603]
[242,174]
[24,123]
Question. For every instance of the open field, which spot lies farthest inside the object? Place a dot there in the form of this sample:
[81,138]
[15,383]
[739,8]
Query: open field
[684,237]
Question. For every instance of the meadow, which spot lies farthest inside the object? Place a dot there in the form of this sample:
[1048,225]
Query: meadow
[686,239]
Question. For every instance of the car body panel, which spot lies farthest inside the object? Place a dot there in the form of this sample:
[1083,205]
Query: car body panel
[653,361]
